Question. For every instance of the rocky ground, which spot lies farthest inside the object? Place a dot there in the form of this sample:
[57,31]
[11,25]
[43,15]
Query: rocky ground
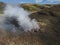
[48,18]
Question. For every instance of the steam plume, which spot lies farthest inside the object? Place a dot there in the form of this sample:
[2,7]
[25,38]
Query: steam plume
[21,16]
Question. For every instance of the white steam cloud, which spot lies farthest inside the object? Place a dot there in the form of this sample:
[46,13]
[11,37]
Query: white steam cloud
[22,16]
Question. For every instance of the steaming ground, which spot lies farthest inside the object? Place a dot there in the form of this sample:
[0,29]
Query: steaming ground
[16,19]
[49,33]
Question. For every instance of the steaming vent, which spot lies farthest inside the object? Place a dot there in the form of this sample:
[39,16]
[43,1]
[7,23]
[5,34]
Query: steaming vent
[16,18]
[12,20]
